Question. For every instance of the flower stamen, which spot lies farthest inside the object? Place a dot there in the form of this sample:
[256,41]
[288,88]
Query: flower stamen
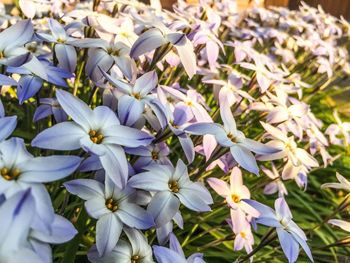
[173,186]
[111,204]
[96,137]
[135,259]
[10,174]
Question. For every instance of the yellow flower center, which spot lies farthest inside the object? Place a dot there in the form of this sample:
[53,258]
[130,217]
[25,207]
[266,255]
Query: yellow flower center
[155,155]
[235,198]
[111,204]
[10,174]
[232,137]
[173,186]
[136,95]
[2,55]
[96,137]
[135,259]
[61,41]
[243,234]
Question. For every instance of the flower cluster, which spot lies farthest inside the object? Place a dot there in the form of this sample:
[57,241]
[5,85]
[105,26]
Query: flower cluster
[153,115]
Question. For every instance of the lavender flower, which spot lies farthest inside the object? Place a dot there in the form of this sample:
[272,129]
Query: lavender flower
[172,187]
[97,131]
[289,234]
[111,207]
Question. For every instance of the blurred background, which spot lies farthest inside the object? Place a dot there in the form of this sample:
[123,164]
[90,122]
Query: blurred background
[334,7]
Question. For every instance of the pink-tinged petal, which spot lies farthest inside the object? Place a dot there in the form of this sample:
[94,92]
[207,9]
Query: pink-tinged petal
[263,81]
[249,209]
[27,8]
[275,132]
[212,50]
[340,223]
[209,145]
[238,220]
[186,53]
[219,186]
[306,158]
[236,181]
[277,115]
[239,243]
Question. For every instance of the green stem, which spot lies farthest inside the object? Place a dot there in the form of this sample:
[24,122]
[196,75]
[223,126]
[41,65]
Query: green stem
[72,247]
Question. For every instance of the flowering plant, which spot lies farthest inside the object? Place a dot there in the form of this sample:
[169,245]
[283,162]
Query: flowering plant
[129,133]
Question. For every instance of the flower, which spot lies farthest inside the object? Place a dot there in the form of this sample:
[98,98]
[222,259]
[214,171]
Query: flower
[136,250]
[235,194]
[229,136]
[97,131]
[103,55]
[111,207]
[287,148]
[160,36]
[135,97]
[7,124]
[289,234]
[343,183]
[12,51]
[64,51]
[175,253]
[18,213]
[172,187]
[243,235]
[340,128]
[276,185]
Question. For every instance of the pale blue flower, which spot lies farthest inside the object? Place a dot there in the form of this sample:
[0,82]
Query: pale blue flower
[103,55]
[20,170]
[175,253]
[12,40]
[97,131]
[64,51]
[30,82]
[172,187]
[289,233]
[17,215]
[136,250]
[111,207]
[228,136]
[7,123]
[61,230]
[136,97]
[48,107]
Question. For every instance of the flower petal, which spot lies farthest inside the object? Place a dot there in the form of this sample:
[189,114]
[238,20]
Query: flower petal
[108,230]
[62,136]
